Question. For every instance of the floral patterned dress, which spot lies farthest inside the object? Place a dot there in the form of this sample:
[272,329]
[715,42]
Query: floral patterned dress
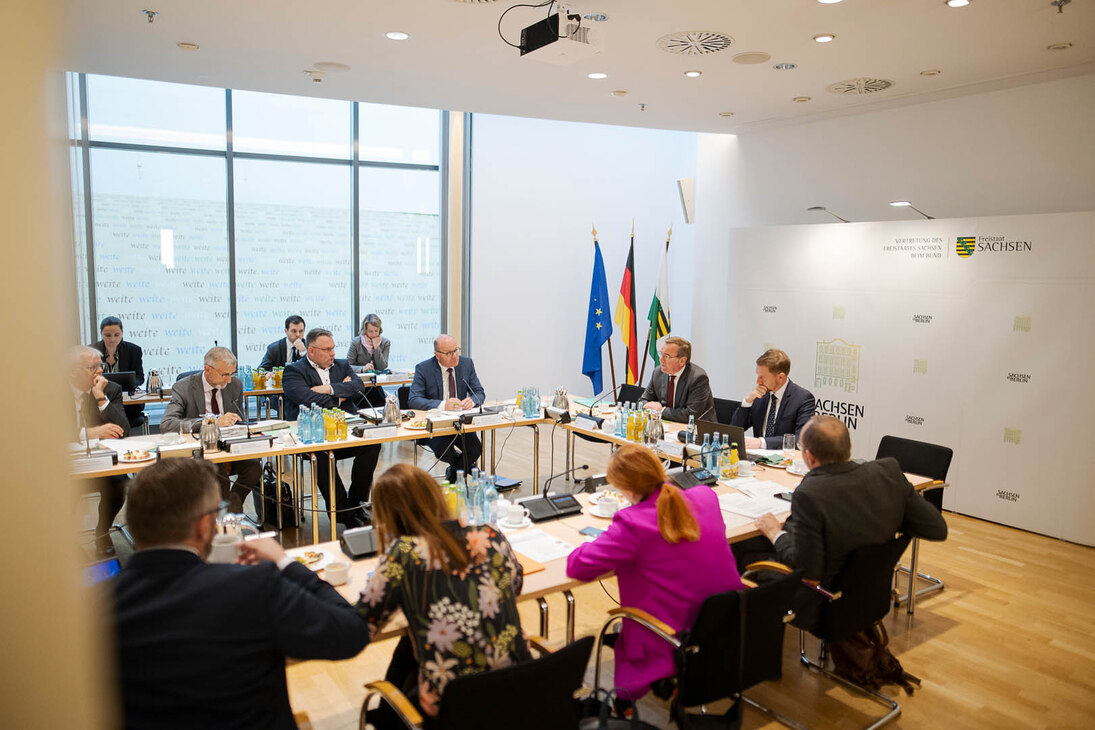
[461,622]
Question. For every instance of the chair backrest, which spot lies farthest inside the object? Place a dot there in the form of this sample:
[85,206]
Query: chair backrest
[724,409]
[186,374]
[630,393]
[536,695]
[735,642]
[919,457]
[866,586]
[404,395]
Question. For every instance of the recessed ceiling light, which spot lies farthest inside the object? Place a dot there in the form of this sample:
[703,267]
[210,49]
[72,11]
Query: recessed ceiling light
[957,3]
[801,99]
[930,72]
[597,75]
[187,45]
[619,92]
[596,17]
[726,114]
[824,37]
[900,203]
[785,66]
[693,74]
[1064,46]
[828,2]
[396,35]
[330,66]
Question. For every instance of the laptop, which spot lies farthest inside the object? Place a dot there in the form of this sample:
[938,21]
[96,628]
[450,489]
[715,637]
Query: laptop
[126,379]
[736,434]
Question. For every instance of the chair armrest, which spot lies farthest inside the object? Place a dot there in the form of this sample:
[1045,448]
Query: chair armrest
[397,700]
[748,583]
[538,643]
[643,618]
[754,568]
[816,588]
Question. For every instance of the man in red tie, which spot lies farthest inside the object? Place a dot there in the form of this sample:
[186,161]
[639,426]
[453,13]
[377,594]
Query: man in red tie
[679,389]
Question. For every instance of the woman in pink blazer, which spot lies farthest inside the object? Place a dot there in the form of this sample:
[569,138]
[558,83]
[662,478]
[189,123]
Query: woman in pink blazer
[669,553]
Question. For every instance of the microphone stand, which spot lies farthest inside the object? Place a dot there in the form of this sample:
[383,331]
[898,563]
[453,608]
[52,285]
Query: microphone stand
[561,474]
[603,396]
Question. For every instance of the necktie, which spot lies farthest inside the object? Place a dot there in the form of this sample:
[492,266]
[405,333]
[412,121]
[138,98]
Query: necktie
[213,405]
[296,354]
[452,383]
[669,395]
[770,427]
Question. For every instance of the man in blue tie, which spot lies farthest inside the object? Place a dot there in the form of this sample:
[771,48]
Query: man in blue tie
[776,406]
[448,381]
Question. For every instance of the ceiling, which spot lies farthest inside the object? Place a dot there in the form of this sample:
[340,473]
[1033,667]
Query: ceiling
[454,58]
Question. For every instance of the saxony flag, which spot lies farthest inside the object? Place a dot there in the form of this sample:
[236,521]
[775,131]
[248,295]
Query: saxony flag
[659,309]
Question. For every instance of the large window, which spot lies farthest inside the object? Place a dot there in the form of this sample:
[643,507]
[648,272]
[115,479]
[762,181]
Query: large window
[212,215]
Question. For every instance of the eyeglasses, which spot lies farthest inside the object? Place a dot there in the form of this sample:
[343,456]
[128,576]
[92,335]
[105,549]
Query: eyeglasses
[222,507]
[450,353]
[93,368]
[323,349]
[664,356]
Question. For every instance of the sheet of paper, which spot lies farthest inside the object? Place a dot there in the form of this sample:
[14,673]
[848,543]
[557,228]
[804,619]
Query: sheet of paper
[746,506]
[132,444]
[759,488]
[540,546]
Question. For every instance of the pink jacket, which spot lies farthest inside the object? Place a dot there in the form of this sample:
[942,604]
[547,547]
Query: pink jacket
[666,580]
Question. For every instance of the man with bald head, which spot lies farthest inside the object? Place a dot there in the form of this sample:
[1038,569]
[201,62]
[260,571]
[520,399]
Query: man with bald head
[98,414]
[448,381]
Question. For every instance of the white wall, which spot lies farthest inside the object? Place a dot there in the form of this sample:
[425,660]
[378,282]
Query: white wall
[537,189]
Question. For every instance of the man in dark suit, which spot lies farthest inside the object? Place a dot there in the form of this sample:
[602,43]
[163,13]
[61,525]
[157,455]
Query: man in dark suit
[840,506]
[98,413]
[776,406]
[204,645]
[448,381]
[215,390]
[321,379]
[678,389]
[288,349]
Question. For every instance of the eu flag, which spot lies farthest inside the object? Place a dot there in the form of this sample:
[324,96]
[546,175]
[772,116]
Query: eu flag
[598,323]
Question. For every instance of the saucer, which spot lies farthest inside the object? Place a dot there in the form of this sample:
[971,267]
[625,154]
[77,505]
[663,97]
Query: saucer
[507,525]
[597,513]
[796,472]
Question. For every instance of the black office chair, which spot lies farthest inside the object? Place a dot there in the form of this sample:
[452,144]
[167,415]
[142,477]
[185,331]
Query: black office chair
[929,460]
[536,695]
[735,643]
[186,374]
[724,410]
[860,595]
[630,393]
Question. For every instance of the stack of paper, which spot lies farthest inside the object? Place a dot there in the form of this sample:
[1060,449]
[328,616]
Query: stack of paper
[540,546]
[753,505]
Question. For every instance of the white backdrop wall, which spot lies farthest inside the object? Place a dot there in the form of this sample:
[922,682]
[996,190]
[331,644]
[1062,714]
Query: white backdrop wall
[537,189]
[896,333]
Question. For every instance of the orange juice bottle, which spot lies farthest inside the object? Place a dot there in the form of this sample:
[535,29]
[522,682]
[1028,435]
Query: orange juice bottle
[343,432]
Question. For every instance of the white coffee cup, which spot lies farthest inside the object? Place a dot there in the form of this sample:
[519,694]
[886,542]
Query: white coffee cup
[799,465]
[502,507]
[226,549]
[515,514]
[607,506]
[337,573]
[745,468]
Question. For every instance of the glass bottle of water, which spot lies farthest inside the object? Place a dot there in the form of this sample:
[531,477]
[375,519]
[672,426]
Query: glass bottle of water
[704,449]
[490,500]
[724,458]
[317,425]
[690,433]
[304,425]
[713,457]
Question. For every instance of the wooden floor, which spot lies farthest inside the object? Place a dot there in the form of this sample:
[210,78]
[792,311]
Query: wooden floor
[1009,643]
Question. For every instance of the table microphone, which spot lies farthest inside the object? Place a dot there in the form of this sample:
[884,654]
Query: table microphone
[471,393]
[549,508]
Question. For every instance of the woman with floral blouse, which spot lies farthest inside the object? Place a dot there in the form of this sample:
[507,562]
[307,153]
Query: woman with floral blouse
[456,585]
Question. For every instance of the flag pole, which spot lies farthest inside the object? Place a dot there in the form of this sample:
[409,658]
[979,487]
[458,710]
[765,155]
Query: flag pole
[611,363]
[650,326]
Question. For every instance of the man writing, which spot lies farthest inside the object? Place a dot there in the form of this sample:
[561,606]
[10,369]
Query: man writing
[776,406]
[840,506]
[678,388]
[448,381]
[99,414]
[215,390]
[203,645]
[321,379]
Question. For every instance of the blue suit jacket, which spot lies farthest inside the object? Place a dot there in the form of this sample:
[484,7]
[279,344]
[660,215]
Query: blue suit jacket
[203,645]
[795,410]
[298,379]
[275,355]
[427,390]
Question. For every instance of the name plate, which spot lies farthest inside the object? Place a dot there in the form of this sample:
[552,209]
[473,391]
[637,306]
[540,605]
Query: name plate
[250,446]
[488,419]
[671,448]
[385,431]
[95,462]
[585,423]
[187,450]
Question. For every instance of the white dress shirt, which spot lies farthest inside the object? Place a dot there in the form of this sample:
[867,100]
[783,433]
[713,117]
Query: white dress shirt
[773,402]
[445,384]
[324,373]
[210,393]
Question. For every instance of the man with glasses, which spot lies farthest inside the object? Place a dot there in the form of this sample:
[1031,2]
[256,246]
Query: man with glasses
[98,413]
[215,390]
[449,381]
[204,645]
[322,380]
[679,389]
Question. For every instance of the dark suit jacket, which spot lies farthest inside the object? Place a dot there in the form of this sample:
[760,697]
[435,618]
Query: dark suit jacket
[298,379]
[692,392]
[188,403]
[795,410]
[427,390]
[130,358]
[840,507]
[203,645]
[113,413]
[275,355]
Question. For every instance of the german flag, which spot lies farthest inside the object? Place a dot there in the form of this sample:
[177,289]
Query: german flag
[625,316]
[965,245]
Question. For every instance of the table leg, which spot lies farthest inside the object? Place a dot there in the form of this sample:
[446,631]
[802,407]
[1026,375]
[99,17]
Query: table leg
[298,488]
[493,467]
[913,564]
[277,490]
[332,465]
[315,498]
[536,460]
[570,616]
[543,617]
[566,448]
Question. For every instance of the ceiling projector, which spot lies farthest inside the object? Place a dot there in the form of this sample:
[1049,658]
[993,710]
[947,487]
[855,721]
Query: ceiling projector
[560,39]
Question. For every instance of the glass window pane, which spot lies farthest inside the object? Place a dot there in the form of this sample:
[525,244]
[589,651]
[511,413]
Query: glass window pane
[291,125]
[292,251]
[161,253]
[398,134]
[401,259]
[154,112]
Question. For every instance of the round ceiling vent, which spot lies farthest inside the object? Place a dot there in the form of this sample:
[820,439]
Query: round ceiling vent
[695,42]
[862,85]
[751,57]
